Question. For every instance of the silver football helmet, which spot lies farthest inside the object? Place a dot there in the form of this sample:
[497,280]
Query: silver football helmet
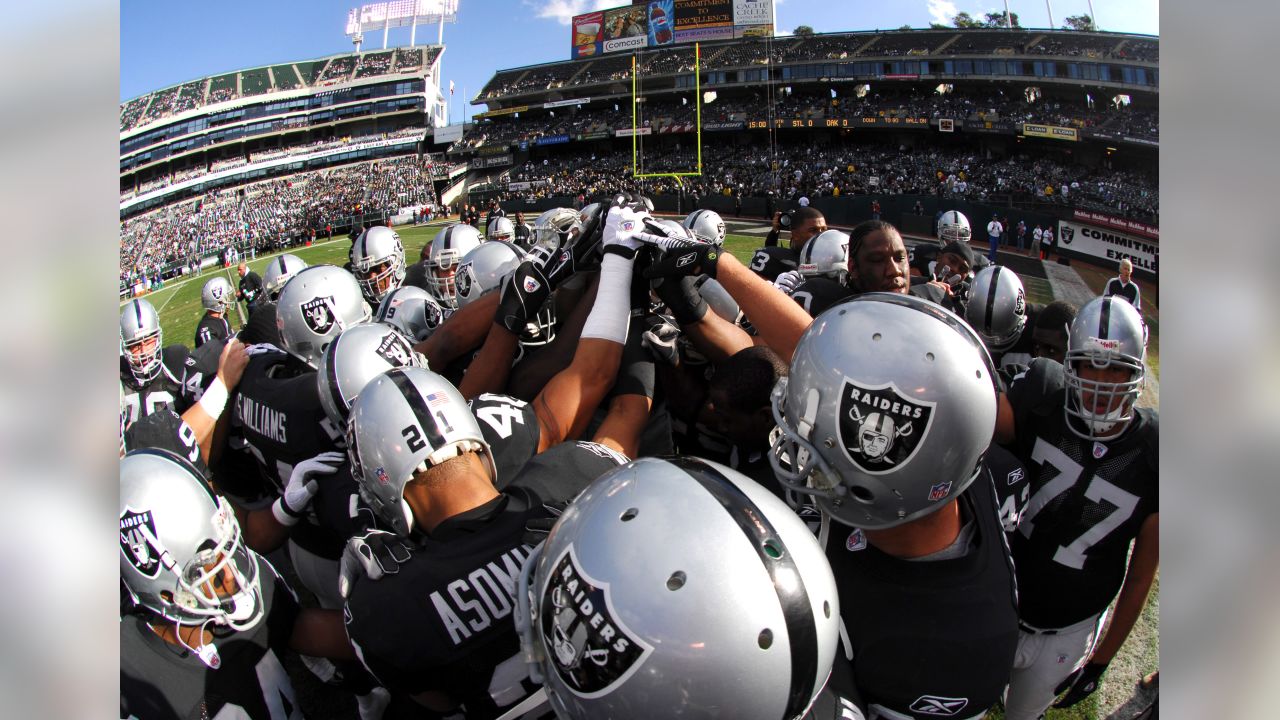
[483,268]
[953,226]
[748,631]
[316,304]
[502,230]
[997,308]
[278,272]
[888,410]
[706,225]
[182,554]
[447,249]
[217,295]
[377,258]
[1107,333]
[356,356]
[411,310]
[827,256]
[139,325]
[404,422]
[551,229]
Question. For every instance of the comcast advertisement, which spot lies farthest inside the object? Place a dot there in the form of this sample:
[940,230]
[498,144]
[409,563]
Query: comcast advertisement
[666,22]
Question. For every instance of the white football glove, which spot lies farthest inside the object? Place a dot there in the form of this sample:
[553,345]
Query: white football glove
[621,227]
[374,554]
[289,507]
[788,281]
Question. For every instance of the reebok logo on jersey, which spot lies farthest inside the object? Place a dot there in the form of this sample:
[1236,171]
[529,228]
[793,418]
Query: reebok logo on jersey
[318,314]
[939,706]
[591,650]
[1016,475]
[881,427]
[134,543]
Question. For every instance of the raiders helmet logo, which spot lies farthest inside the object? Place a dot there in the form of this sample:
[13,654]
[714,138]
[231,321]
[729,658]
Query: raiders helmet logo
[134,543]
[591,650]
[1068,234]
[394,350]
[464,280]
[1020,303]
[432,315]
[880,427]
[318,314]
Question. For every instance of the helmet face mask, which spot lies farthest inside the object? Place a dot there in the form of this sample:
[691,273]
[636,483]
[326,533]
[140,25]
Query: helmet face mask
[887,412]
[953,226]
[1105,368]
[377,259]
[445,254]
[182,554]
[141,339]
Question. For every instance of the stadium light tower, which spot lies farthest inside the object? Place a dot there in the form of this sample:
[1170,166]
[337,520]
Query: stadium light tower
[402,13]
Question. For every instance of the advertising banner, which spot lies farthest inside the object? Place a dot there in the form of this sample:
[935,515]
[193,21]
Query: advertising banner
[587,31]
[752,12]
[753,31]
[719,126]
[501,111]
[919,123]
[552,140]
[662,17]
[625,28]
[691,14]
[628,132]
[1115,223]
[448,134]
[1050,131]
[498,161]
[1109,245]
[594,135]
[564,103]
[705,33]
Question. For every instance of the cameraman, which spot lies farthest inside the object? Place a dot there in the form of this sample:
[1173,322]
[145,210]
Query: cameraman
[804,223]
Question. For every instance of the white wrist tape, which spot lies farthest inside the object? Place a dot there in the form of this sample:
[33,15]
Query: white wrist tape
[214,399]
[282,514]
[609,318]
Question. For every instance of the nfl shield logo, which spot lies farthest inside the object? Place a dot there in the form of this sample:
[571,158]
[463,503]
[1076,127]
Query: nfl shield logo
[856,541]
[1099,450]
[939,491]
[531,285]
[318,314]
[382,476]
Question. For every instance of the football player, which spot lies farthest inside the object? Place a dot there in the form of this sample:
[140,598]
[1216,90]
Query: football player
[1095,490]
[502,230]
[151,374]
[377,261]
[278,272]
[217,297]
[205,619]
[997,310]
[443,256]
[771,260]
[822,273]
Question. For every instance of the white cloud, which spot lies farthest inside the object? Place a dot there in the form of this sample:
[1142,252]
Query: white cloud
[941,11]
[562,11]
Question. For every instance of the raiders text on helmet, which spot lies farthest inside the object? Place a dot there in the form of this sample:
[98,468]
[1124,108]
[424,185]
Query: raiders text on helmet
[748,631]
[316,304]
[888,410]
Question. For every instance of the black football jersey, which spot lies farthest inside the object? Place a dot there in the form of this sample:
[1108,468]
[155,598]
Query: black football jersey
[771,261]
[211,328]
[443,622]
[1088,501]
[930,638]
[159,680]
[277,411]
[921,256]
[511,428]
[163,429]
[818,293]
[165,390]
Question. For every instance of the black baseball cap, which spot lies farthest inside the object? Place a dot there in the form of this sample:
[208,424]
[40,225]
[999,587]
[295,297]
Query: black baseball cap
[956,247]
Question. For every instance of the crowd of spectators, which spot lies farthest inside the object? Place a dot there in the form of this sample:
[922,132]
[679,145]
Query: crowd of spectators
[374,64]
[267,214]
[410,59]
[337,70]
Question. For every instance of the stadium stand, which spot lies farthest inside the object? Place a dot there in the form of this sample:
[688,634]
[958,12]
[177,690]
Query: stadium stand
[983,42]
[374,64]
[895,44]
[223,88]
[286,77]
[255,82]
[408,59]
[337,70]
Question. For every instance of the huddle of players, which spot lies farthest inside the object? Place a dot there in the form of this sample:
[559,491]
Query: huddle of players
[427,466]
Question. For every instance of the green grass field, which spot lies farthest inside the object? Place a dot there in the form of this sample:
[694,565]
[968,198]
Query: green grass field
[180,310]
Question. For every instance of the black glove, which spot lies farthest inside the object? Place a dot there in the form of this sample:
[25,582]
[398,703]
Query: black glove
[1079,684]
[524,292]
[661,342]
[580,254]
[374,554]
[537,526]
[682,298]
[695,260]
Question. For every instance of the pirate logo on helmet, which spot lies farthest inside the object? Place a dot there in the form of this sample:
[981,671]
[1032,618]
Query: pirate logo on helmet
[318,314]
[590,649]
[136,526]
[881,427]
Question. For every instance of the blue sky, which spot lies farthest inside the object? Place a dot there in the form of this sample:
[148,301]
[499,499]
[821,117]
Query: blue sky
[163,43]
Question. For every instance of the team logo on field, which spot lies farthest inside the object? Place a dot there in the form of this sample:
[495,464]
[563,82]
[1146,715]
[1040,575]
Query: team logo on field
[1099,450]
[134,543]
[465,278]
[939,706]
[939,491]
[857,540]
[592,651]
[881,427]
[318,314]
[1068,234]
[395,350]
[1016,475]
